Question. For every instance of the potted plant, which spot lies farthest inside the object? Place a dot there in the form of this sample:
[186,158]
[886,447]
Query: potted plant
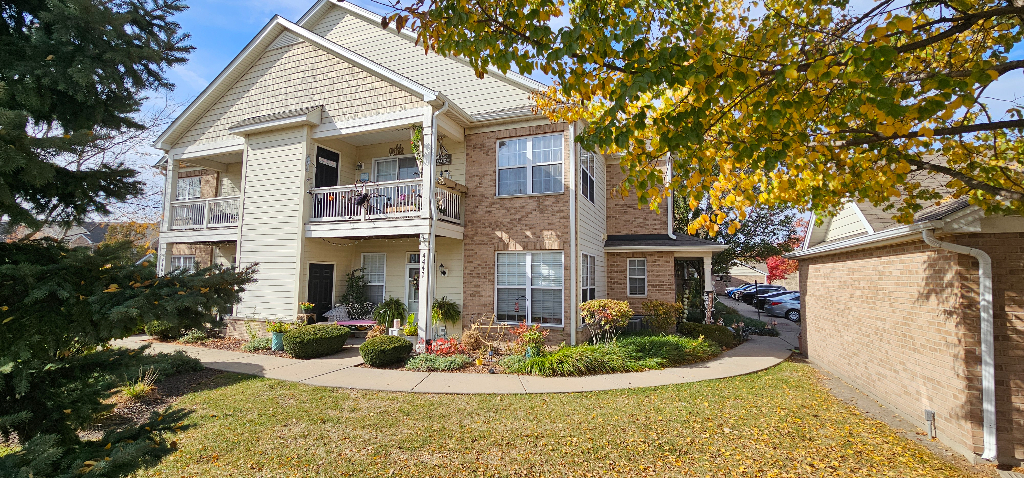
[410,329]
[307,310]
[445,311]
[277,330]
[391,310]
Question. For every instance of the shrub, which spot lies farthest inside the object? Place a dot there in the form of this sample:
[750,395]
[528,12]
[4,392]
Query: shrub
[163,330]
[718,334]
[431,363]
[661,316]
[445,347]
[583,360]
[318,340]
[473,341]
[387,312]
[605,318]
[193,336]
[673,349]
[385,350]
[730,317]
[259,343]
[528,339]
[141,388]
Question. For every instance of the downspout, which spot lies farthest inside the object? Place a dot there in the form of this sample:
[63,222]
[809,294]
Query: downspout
[671,203]
[432,260]
[574,264]
[988,373]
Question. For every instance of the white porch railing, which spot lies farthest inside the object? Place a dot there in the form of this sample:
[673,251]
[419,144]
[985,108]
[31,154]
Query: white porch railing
[204,213]
[386,200]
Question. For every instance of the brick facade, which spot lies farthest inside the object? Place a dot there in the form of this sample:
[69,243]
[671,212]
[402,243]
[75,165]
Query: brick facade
[203,253]
[901,323]
[661,283]
[623,215]
[529,223]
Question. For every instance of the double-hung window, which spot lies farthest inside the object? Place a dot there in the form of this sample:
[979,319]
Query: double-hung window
[189,188]
[529,287]
[589,269]
[530,165]
[374,266]
[183,262]
[636,277]
[587,161]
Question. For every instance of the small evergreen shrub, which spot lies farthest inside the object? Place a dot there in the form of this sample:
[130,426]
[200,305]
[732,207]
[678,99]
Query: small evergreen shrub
[437,363]
[163,330]
[385,350]
[673,349]
[718,334]
[318,340]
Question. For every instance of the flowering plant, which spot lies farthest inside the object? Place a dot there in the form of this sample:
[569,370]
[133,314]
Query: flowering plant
[279,327]
[445,347]
[529,339]
[306,306]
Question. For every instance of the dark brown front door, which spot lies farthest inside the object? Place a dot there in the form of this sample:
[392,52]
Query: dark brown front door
[321,288]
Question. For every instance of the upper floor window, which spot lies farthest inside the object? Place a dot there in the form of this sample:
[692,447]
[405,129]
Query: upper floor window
[189,188]
[637,277]
[530,165]
[587,173]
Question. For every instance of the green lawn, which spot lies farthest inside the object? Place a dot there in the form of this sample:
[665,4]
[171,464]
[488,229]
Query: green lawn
[779,422]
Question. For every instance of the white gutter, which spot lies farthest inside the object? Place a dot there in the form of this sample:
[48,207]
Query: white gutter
[887,236]
[988,372]
[432,259]
[671,203]
[574,264]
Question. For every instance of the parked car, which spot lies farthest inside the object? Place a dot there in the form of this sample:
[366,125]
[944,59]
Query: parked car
[763,299]
[747,296]
[787,306]
[735,291]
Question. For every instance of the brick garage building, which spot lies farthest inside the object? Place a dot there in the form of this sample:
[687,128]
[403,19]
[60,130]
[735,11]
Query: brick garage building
[901,319]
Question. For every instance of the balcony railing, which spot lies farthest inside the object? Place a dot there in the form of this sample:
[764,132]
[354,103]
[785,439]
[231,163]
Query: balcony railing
[387,200]
[204,213]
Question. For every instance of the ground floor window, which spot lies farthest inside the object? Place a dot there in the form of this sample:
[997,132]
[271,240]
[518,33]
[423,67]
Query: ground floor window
[589,266]
[374,266]
[636,277]
[529,287]
[183,262]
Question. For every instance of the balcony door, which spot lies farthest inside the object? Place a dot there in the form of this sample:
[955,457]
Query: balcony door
[326,168]
[320,291]
[395,169]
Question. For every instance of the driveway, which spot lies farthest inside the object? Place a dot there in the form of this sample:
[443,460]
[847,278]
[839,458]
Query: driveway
[788,331]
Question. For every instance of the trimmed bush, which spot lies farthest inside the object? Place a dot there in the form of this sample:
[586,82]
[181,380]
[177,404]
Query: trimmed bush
[437,363]
[163,330]
[718,334]
[318,340]
[673,349]
[385,350]
[583,360]
[660,316]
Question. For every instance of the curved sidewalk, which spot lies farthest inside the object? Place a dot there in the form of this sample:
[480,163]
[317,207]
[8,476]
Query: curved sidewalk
[341,371]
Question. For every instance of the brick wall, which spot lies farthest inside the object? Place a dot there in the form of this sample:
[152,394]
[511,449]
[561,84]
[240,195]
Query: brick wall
[900,322]
[203,253]
[660,277]
[531,223]
[623,215]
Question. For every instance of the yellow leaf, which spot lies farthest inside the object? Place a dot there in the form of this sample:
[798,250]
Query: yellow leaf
[68,411]
[905,24]
[993,73]
[107,447]
[791,73]
[926,132]
[8,319]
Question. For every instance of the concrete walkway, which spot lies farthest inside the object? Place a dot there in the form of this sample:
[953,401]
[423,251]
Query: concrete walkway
[340,371]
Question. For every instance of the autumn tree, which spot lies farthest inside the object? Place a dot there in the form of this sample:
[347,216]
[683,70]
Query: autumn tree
[803,104]
[141,235]
[764,232]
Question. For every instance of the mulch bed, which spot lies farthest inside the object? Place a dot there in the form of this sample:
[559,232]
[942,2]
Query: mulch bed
[133,413]
[230,344]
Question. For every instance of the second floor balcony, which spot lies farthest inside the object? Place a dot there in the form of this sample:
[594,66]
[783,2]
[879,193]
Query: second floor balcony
[384,201]
[192,214]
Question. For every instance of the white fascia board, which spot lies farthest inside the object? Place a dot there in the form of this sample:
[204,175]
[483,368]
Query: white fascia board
[708,248]
[311,118]
[887,236]
[232,144]
[316,13]
[258,44]
[392,120]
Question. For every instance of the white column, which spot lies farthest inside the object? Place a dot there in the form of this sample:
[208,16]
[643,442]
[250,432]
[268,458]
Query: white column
[709,290]
[163,258]
[170,191]
[426,289]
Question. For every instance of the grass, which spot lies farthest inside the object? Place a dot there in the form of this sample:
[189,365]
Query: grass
[779,422]
[141,388]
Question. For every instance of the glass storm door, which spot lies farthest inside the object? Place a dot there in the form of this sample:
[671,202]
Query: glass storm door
[412,288]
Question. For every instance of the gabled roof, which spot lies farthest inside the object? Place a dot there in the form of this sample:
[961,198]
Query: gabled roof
[252,52]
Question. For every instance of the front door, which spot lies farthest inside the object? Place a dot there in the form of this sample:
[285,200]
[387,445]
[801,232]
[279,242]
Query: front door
[412,288]
[321,288]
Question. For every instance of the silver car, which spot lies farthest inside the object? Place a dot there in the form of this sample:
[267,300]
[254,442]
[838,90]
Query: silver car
[785,306]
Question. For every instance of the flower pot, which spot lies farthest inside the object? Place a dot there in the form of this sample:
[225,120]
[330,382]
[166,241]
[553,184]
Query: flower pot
[277,341]
[479,361]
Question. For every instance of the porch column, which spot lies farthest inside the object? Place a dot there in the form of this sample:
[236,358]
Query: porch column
[709,291]
[426,290]
[163,258]
[170,191]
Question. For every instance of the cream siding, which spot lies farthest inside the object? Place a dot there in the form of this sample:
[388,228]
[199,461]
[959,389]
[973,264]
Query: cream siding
[455,79]
[272,216]
[591,225]
[231,180]
[297,76]
[846,223]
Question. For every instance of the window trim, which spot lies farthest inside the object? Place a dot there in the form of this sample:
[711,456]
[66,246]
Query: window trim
[529,288]
[181,257]
[529,166]
[591,174]
[628,276]
[384,284]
